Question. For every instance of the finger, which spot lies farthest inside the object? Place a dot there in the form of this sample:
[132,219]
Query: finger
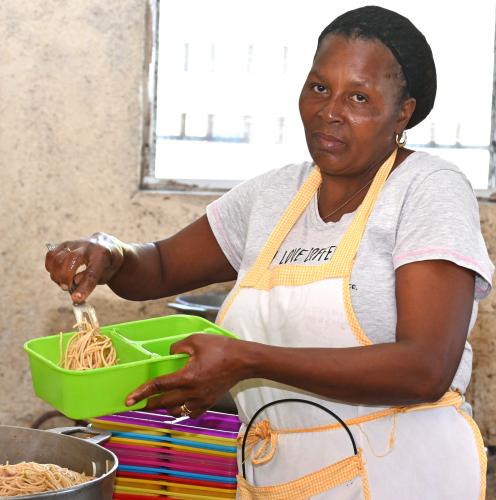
[98,262]
[168,399]
[177,410]
[56,262]
[83,284]
[190,408]
[182,347]
[157,402]
[51,257]
[70,262]
[159,385]
[196,408]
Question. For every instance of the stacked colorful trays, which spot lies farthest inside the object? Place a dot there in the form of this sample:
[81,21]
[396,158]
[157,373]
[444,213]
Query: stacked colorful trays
[161,456]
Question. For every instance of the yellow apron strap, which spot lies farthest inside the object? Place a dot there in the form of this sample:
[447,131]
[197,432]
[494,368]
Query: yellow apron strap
[262,434]
[342,260]
[260,276]
[279,233]
[341,263]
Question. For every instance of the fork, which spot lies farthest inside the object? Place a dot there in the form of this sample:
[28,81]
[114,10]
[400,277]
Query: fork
[83,312]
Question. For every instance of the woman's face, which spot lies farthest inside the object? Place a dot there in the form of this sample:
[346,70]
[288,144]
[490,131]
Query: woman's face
[350,105]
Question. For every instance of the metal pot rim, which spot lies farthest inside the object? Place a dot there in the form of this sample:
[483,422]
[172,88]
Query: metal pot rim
[65,491]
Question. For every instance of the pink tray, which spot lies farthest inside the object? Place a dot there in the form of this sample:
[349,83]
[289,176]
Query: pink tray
[169,454]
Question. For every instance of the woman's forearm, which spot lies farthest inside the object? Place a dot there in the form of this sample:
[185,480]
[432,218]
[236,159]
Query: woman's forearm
[140,277]
[382,374]
[188,260]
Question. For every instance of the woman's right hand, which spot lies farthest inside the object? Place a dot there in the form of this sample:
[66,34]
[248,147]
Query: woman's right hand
[188,260]
[78,266]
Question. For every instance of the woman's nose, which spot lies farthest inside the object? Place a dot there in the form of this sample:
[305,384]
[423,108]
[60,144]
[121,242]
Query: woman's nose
[332,111]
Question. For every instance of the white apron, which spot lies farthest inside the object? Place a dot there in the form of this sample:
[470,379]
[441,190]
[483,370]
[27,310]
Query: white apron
[420,452]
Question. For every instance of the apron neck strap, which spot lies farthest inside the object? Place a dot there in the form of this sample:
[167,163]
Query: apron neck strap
[345,253]
[343,257]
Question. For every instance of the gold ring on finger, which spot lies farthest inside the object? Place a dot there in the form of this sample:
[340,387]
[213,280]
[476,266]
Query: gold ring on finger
[185,411]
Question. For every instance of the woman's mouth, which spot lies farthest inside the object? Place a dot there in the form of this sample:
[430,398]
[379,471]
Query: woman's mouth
[328,142]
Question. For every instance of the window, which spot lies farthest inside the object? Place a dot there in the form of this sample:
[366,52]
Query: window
[230,72]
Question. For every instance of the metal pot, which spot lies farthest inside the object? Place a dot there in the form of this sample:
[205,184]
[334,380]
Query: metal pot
[206,305]
[18,444]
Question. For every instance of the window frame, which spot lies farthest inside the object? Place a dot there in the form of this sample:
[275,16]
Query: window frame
[149,181]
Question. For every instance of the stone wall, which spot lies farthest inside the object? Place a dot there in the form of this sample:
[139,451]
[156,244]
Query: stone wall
[71,115]
[71,108]
[482,388]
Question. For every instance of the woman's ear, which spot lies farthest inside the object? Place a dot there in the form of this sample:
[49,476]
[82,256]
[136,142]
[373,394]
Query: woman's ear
[407,108]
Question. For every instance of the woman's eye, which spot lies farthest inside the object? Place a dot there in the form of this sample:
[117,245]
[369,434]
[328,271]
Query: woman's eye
[359,98]
[319,88]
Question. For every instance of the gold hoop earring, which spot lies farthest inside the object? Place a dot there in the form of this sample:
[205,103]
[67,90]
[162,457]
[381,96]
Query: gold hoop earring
[400,139]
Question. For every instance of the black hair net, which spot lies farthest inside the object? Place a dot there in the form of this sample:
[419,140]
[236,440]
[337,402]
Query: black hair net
[404,40]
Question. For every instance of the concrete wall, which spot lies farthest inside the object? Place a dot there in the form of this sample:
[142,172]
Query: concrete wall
[71,107]
[482,388]
[71,114]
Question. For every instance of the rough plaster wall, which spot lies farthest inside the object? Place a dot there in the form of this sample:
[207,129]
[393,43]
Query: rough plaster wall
[482,388]
[70,139]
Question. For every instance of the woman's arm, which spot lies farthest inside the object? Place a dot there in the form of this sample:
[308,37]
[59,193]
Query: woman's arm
[434,305]
[190,259]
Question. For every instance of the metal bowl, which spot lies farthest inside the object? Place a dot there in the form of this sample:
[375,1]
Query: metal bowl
[20,444]
[206,305]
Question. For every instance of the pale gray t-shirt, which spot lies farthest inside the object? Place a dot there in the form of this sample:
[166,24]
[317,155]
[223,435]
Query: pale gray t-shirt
[426,210]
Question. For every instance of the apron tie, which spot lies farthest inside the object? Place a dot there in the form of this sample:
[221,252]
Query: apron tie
[262,433]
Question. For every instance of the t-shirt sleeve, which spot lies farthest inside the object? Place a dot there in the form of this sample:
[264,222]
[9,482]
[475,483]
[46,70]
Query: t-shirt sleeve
[229,216]
[440,220]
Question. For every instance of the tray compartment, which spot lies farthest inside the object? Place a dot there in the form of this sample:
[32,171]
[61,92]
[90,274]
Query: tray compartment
[161,347]
[143,351]
[167,326]
[83,394]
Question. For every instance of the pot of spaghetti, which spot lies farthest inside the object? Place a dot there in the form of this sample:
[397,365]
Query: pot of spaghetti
[53,464]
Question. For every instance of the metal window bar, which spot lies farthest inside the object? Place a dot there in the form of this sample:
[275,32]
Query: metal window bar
[285,60]
[186,57]
[249,59]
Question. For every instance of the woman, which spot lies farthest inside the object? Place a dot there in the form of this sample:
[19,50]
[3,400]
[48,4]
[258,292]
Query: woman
[357,285]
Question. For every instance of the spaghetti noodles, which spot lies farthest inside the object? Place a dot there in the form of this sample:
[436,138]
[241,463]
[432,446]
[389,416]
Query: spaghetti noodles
[87,349]
[26,478]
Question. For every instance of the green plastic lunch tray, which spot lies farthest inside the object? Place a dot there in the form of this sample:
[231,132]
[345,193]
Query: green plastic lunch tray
[143,352]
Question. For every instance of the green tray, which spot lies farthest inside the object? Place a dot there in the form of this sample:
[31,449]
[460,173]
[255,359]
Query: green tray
[143,351]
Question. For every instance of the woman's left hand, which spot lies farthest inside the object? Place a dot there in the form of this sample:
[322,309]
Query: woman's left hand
[214,366]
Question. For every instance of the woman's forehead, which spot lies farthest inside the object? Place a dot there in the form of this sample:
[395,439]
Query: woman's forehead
[368,58]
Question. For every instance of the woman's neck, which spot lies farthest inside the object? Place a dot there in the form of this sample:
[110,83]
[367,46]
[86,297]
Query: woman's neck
[339,195]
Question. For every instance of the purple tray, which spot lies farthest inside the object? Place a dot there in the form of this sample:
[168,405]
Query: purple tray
[210,423]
